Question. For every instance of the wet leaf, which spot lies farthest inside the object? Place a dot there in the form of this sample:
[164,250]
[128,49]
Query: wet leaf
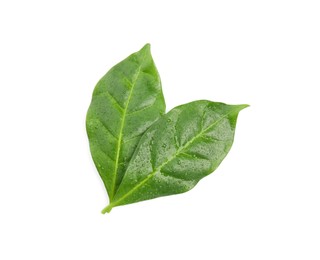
[125,103]
[177,151]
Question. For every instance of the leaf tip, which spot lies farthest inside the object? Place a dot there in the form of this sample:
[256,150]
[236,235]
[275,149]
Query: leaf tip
[243,106]
[146,48]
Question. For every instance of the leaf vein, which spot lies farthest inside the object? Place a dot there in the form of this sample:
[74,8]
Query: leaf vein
[130,139]
[114,100]
[121,132]
[108,130]
[139,110]
[107,155]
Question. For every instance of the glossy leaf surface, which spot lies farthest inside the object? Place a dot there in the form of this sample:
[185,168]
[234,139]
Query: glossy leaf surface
[125,103]
[182,147]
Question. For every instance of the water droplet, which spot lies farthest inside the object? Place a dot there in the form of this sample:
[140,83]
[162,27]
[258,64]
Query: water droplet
[169,120]
[164,145]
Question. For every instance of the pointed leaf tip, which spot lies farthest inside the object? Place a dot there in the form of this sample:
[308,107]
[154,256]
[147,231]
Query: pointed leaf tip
[243,106]
[240,107]
[145,48]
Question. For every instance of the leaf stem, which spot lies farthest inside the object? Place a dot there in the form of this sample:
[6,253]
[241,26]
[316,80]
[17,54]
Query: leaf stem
[107,209]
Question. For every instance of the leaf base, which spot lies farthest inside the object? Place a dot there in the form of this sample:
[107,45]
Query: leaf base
[107,209]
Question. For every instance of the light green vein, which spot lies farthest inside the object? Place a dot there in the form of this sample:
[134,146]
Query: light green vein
[114,177]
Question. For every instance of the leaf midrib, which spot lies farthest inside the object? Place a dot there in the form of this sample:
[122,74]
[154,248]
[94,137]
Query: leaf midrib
[112,193]
[167,161]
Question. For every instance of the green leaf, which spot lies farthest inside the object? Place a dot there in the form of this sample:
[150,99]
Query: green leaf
[182,147]
[125,103]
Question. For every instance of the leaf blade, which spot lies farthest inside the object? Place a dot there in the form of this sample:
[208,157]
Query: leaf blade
[119,114]
[181,148]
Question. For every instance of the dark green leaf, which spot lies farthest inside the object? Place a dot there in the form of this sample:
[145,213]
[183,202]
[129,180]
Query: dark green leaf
[182,147]
[125,103]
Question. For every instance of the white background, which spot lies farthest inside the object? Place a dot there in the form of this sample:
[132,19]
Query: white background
[263,202]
